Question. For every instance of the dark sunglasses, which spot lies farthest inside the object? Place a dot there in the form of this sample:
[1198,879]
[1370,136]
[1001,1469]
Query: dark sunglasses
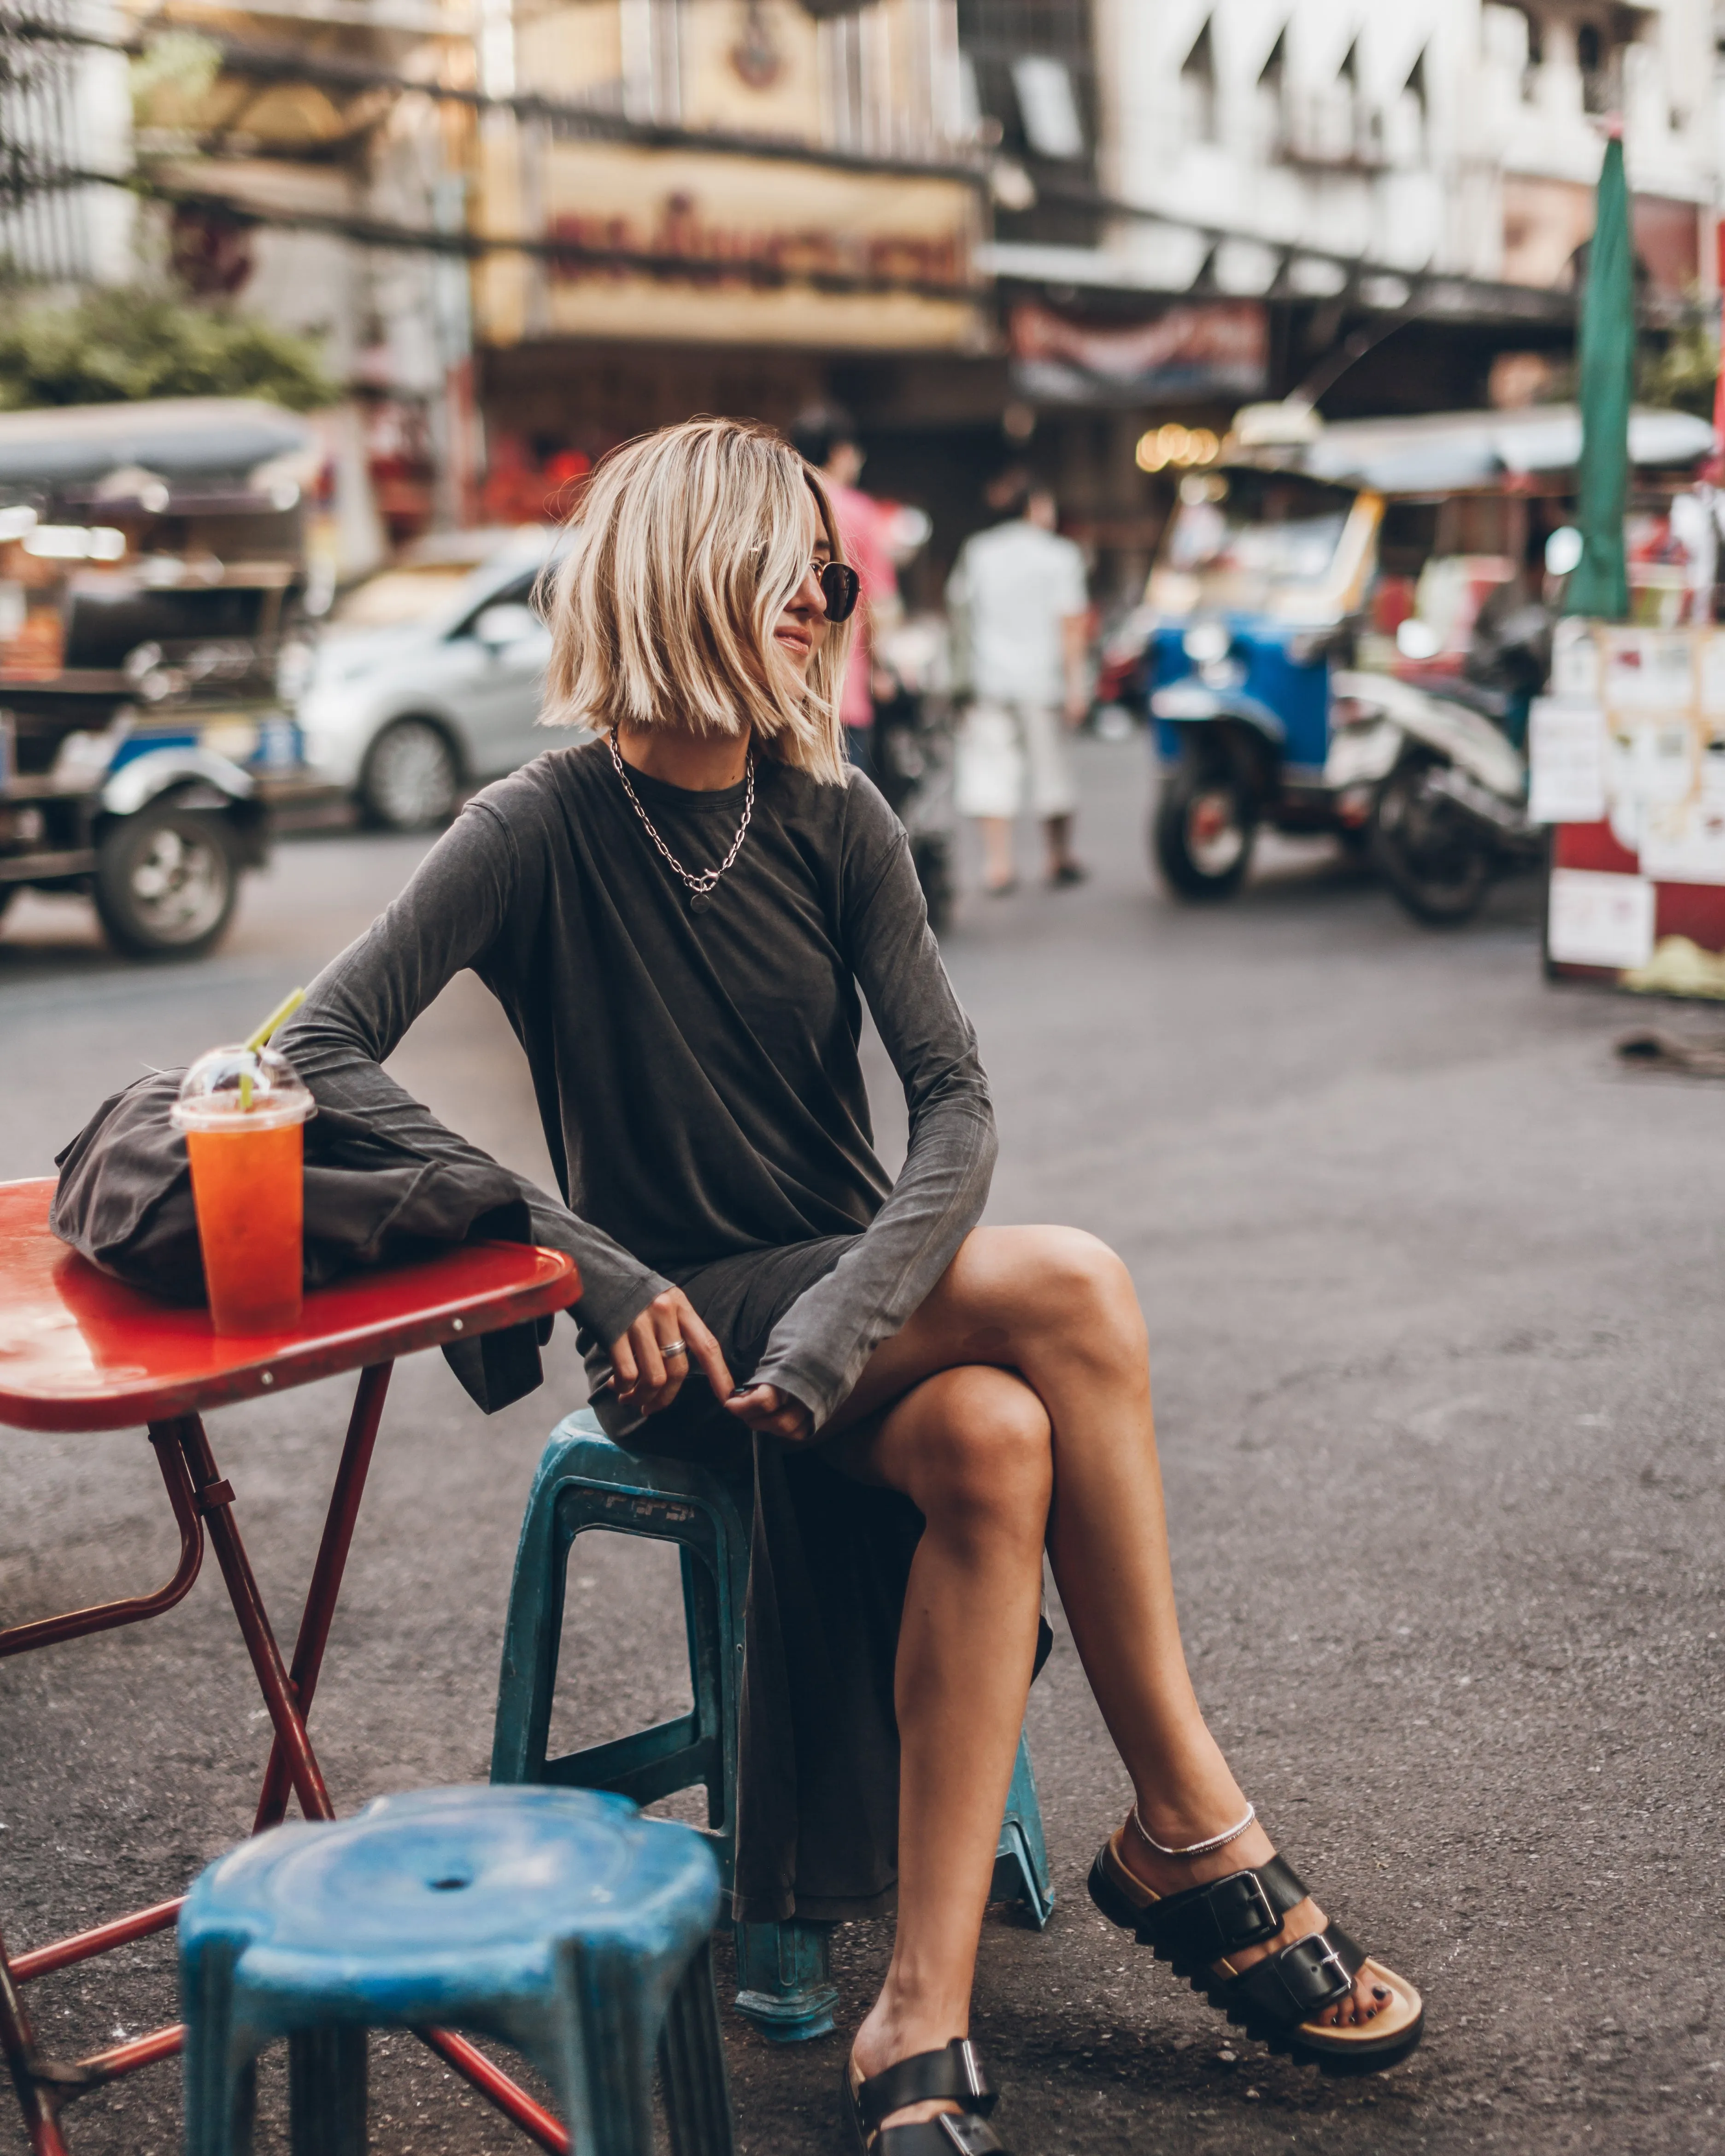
[841,588]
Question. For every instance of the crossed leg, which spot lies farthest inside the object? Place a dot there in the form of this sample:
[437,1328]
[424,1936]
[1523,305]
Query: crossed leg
[1014,1410]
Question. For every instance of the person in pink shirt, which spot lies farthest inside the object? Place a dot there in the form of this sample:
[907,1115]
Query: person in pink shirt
[826,438]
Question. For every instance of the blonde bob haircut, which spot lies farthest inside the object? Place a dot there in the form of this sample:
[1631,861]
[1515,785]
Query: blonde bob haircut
[687,546]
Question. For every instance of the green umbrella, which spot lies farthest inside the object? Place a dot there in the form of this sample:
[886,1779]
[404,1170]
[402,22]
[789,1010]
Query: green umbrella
[1600,585]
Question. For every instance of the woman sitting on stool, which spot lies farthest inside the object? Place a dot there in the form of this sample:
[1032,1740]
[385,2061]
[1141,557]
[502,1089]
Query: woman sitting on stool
[678,918]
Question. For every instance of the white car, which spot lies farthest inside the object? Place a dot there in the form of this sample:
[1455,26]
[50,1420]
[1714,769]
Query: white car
[428,679]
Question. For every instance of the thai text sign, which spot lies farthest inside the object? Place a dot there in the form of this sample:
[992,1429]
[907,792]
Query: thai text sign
[708,247]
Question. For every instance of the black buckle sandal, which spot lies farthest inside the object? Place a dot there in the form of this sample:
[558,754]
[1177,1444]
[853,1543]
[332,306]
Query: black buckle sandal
[1276,2001]
[955,2073]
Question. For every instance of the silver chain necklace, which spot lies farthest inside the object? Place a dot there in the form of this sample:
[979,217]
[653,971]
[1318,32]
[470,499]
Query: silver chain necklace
[701,887]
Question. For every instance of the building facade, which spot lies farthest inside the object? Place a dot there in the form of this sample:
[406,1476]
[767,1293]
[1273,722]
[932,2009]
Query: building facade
[1078,231]
[1438,135]
[720,205]
[1384,208]
[65,110]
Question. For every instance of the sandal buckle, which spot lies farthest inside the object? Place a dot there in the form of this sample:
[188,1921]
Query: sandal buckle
[1314,1974]
[980,2099]
[1251,1916]
[968,2134]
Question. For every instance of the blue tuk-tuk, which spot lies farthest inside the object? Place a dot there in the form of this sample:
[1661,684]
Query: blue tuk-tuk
[1312,557]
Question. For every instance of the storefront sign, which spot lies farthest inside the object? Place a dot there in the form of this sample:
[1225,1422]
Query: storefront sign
[1218,349]
[701,247]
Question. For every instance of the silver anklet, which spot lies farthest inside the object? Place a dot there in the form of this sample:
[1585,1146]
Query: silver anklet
[1194,1848]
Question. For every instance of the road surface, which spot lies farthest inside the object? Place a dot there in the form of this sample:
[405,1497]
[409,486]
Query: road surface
[1432,1285]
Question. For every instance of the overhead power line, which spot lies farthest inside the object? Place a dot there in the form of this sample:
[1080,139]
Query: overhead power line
[760,272]
[1437,292]
[264,61]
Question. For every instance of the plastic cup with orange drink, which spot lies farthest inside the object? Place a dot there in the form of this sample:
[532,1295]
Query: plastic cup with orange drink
[243,1111]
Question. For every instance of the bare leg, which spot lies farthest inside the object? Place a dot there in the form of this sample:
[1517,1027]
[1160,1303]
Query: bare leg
[1058,832]
[998,867]
[971,1448]
[1058,1307]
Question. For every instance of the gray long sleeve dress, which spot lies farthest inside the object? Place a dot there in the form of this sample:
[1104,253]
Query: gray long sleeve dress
[698,1081]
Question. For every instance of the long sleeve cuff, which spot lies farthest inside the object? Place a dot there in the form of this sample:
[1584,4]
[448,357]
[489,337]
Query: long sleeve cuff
[615,1288]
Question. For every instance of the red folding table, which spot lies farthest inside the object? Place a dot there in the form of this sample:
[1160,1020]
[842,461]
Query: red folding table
[79,1351]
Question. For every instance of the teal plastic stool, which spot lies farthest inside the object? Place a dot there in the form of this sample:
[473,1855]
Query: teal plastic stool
[557,1920]
[584,1482]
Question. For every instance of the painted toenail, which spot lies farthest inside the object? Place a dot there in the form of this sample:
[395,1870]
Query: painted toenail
[1380,1991]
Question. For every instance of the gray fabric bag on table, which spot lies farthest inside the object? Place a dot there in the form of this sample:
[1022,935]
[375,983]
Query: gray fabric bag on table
[124,1203]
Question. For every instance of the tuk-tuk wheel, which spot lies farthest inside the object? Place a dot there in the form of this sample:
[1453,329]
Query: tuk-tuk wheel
[166,881]
[1205,824]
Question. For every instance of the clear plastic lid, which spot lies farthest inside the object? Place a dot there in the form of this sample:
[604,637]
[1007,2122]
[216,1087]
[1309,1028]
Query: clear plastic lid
[230,1089]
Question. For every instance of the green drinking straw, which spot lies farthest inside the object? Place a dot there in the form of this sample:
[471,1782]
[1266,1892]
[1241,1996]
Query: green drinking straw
[278,1017]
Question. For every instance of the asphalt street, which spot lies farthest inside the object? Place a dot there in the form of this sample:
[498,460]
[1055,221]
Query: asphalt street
[1432,1285]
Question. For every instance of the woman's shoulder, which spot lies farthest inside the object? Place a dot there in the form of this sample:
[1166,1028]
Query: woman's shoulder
[532,797]
[844,816]
[844,826]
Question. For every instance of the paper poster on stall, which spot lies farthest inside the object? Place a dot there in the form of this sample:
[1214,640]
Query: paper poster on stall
[1597,920]
[1647,670]
[1566,754]
[1651,760]
[1684,842]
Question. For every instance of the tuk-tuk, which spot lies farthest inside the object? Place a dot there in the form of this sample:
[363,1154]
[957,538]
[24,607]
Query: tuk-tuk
[151,569]
[1312,557]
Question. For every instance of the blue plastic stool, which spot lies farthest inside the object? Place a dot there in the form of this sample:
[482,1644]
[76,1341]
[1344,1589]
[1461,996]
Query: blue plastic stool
[557,1920]
[584,1482]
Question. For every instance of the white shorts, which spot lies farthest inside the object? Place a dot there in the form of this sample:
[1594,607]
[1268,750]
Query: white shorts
[1012,757]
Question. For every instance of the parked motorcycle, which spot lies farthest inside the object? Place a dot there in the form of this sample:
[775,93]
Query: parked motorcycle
[1434,781]
[1437,793]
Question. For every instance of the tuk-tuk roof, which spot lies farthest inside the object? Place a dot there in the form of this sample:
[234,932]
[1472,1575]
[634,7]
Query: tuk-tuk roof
[184,440]
[1446,452]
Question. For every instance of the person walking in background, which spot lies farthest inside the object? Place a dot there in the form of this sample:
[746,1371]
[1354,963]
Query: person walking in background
[1018,603]
[825,438]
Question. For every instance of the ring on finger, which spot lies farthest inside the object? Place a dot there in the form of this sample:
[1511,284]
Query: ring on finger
[670,1347]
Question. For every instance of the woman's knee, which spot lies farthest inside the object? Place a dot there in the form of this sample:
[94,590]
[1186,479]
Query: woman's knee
[1063,1280]
[983,1452]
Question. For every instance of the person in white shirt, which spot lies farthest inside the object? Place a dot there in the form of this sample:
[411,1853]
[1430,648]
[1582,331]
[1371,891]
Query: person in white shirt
[1019,609]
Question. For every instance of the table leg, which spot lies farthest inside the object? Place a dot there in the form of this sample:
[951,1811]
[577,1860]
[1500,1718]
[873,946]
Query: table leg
[49,1631]
[19,2046]
[215,1501]
[326,1578]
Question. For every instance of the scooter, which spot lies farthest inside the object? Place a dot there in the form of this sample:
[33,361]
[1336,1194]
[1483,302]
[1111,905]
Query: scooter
[1431,779]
